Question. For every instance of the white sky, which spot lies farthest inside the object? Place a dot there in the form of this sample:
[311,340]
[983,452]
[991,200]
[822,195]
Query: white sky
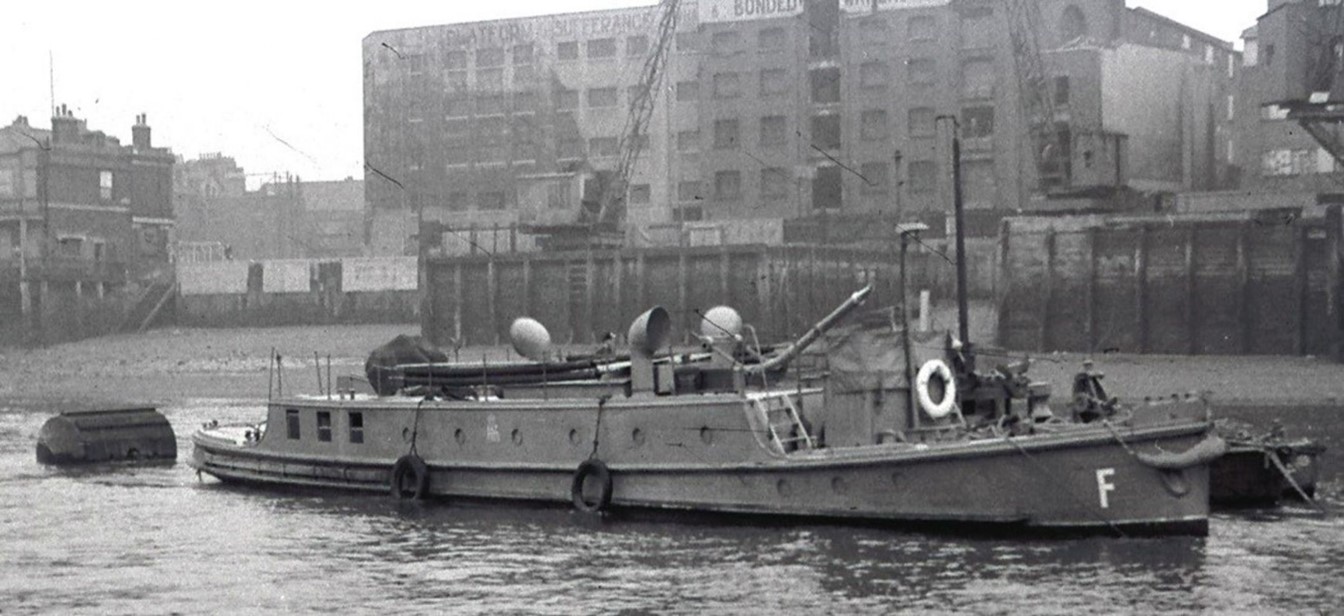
[240,77]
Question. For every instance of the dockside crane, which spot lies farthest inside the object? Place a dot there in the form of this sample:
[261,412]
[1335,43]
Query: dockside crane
[1037,97]
[634,136]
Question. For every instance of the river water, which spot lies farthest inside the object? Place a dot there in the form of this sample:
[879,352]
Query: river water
[155,540]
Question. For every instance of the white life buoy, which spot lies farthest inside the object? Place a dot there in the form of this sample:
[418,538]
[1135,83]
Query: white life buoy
[943,407]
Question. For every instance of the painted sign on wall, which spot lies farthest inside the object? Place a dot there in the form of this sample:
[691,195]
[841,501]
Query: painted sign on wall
[213,278]
[379,274]
[743,10]
[868,6]
[283,276]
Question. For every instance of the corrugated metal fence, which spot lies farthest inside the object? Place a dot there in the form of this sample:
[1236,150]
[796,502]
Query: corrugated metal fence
[1265,283]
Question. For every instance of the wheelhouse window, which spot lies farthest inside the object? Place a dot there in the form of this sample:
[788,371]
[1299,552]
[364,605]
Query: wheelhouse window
[292,423]
[356,426]
[324,426]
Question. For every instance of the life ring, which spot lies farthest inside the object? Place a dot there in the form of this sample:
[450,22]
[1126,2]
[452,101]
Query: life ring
[943,407]
[410,478]
[599,471]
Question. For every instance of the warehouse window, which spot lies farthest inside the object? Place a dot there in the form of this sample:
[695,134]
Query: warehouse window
[356,426]
[826,132]
[725,134]
[687,91]
[774,131]
[728,185]
[602,97]
[324,426]
[922,28]
[774,81]
[977,122]
[602,146]
[922,122]
[771,38]
[602,48]
[292,423]
[827,192]
[873,75]
[727,85]
[639,193]
[522,54]
[873,31]
[1073,25]
[876,178]
[923,176]
[725,43]
[568,50]
[688,141]
[774,183]
[490,57]
[977,78]
[825,85]
[493,200]
[873,125]
[922,71]
[637,45]
[688,191]
[105,185]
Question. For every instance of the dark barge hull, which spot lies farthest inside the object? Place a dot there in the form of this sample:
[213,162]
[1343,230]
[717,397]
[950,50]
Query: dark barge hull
[1246,476]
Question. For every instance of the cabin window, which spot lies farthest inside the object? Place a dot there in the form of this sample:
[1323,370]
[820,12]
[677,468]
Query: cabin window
[356,427]
[324,426]
[292,423]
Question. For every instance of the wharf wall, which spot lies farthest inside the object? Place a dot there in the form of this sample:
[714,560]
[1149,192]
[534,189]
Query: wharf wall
[1265,283]
[580,296]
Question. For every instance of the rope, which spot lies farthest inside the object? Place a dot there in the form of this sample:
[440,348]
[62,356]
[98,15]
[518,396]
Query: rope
[1077,501]
[415,427]
[597,427]
[1278,464]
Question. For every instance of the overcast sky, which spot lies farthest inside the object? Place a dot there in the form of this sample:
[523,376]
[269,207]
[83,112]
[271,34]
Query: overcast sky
[275,84]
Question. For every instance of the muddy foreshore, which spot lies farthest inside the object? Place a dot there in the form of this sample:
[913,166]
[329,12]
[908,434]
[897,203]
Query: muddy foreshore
[174,364]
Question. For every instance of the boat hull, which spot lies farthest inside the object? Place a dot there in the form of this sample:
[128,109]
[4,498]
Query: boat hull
[1247,477]
[710,458]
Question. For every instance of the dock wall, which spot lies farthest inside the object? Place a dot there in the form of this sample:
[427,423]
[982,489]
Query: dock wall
[1265,283]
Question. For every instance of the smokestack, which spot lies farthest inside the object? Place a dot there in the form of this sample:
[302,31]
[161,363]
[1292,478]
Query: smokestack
[140,134]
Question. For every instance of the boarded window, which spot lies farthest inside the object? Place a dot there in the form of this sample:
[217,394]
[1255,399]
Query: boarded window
[356,426]
[292,423]
[324,426]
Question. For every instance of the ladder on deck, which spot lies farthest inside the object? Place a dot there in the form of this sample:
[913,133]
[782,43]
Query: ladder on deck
[786,427]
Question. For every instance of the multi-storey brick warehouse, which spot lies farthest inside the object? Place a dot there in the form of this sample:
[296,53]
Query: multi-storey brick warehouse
[783,108]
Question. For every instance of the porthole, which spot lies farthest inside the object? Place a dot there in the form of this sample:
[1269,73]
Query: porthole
[574,436]
[637,436]
[839,485]
[784,487]
[459,436]
[517,436]
[706,435]
[406,434]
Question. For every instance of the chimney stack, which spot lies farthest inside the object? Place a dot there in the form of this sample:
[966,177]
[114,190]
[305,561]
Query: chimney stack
[64,126]
[140,133]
